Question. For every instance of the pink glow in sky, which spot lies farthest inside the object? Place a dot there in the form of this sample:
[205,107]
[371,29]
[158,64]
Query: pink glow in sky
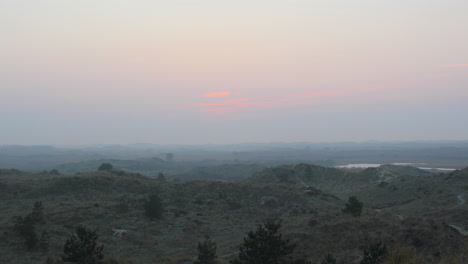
[207,71]
[279,100]
[455,65]
[219,94]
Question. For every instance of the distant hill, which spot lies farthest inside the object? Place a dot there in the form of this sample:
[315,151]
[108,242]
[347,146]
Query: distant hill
[410,170]
[381,187]
[224,172]
[458,178]
[327,179]
[141,165]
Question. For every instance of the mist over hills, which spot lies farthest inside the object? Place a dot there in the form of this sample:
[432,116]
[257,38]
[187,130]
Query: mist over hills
[149,158]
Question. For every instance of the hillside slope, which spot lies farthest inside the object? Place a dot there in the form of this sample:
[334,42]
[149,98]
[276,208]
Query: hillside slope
[312,218]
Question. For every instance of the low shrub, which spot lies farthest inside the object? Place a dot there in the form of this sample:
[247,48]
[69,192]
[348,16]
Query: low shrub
[328,259]
[373,253]
[206,252]
[154,207]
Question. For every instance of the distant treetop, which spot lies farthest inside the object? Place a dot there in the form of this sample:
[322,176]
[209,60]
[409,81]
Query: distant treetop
[169,156]
[105,166]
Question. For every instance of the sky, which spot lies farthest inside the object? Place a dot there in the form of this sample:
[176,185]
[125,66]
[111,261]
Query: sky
[216,72]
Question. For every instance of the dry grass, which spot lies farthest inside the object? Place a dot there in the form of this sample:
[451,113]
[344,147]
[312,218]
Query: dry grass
[460,256]
[403,255]
[407,255]
[452,259]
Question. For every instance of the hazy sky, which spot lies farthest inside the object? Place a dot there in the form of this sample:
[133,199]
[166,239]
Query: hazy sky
[219,71]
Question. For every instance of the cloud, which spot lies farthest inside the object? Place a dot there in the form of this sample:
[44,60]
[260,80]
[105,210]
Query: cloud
[231,102]
[235,101]
[454,65]
[281,100]
[220,94]
[266,101]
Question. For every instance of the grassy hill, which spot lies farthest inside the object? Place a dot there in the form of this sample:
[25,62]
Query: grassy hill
[309,200]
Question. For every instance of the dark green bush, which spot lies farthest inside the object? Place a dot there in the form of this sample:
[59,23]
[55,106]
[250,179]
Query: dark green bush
[154,207]
[44,241]
[265,246]
[373,253]
[54,172]
[37,214]
[26,228]
[24,225]
[328,259]
[31,239]
[353,207]
[206,252]
[82,247]
[161,177]
[105,166]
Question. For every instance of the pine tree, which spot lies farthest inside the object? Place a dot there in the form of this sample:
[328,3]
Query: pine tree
[353,207]
[37,214]
[265,246]
[206,252]
[154,206]
[26,227]
[82,247]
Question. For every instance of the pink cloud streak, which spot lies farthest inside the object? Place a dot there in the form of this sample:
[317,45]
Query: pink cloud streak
[220,94]
[454,65]
[232,105]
